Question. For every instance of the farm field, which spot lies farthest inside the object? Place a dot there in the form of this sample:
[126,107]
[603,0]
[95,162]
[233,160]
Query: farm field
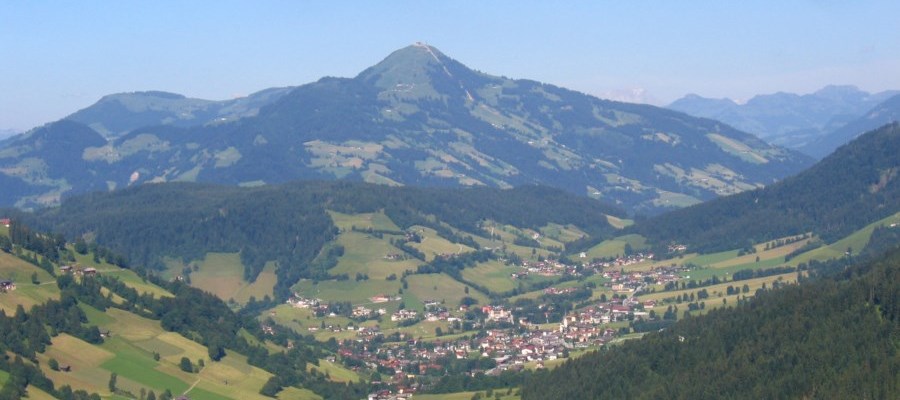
[222,274]
[619,223]
[367,254]
[128,277]
[336,372]
[349,290]
[301,319]
[292,393]
[129,352]
[562,233]
[493,275]
[616,247]
[716,293]
[26,293]
[439,287]
[855,242]
[377,221]
[433,245]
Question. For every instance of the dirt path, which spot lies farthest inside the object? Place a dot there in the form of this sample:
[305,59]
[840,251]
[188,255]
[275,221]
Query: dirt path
[191,388]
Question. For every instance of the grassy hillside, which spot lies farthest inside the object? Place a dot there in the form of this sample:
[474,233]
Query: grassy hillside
[142,331]
[27,292]
[130,353]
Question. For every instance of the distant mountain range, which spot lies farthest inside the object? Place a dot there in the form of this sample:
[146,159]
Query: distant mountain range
[788,119]
[416,118]
[886,112]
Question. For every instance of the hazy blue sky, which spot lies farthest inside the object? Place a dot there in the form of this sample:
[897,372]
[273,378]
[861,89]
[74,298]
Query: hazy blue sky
[57,57]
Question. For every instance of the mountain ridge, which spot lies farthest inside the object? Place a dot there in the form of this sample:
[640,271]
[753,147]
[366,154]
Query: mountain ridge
[418,117]
[883,113]
[788,119]
[854,186]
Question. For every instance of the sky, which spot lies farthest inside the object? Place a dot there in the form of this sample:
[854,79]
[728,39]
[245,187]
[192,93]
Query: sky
[61,56]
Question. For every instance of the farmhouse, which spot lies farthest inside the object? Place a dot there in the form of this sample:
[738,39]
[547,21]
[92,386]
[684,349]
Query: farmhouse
[65,269]
[6,285]
[403,315]
[4,222]
[303,302]
[89,271]
[381,298]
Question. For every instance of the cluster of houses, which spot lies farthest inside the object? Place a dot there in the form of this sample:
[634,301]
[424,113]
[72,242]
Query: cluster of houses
[559,291]
[497,314]
[584,323]
[557,268]
[623,261]
[544,268]
[403,364]
[677,248]
[303,302]
[633,281]
[365,312]
[512,351]
[5,222]
[386,394]
[77,270]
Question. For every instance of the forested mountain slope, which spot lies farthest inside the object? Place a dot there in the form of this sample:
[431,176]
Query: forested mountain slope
[289,224]
[849,189]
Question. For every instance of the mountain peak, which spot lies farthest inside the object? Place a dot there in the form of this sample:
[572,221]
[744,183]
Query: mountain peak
[410,69]
[838,89]
[418,52]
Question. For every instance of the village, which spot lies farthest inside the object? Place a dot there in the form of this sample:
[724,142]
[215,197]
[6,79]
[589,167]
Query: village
[496,337]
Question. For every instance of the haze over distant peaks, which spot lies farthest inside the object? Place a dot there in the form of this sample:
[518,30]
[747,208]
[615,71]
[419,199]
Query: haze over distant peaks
[788,119]
[418,117]
[884,113]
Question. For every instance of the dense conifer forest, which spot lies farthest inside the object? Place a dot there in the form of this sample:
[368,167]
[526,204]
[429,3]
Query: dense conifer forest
[833,337]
